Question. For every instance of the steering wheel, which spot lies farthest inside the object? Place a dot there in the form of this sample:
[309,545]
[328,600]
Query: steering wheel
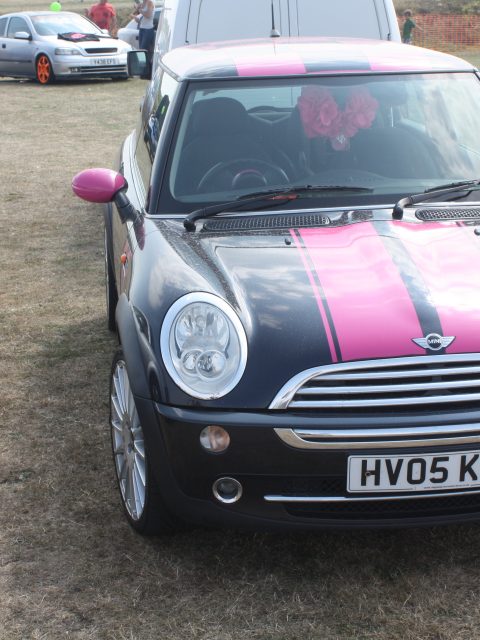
[242,173]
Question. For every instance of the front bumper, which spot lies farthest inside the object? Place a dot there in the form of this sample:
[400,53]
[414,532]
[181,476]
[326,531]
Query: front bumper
[65,67]
[290,486]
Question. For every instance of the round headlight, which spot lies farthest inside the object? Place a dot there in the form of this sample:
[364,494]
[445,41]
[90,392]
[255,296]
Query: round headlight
[203,345]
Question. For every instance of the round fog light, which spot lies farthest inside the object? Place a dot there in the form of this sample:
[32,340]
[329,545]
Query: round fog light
[214,439]
[227,490]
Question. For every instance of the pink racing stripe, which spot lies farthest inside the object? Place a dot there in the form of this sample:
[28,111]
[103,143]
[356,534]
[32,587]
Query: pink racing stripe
[271,65]
[448,257]
[372,312]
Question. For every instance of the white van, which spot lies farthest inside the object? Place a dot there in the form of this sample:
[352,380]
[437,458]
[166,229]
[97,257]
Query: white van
[193,21]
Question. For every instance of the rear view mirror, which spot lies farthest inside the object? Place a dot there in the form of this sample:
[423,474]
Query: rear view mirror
[138,64]
[105,185]
[98,185]
[22,35]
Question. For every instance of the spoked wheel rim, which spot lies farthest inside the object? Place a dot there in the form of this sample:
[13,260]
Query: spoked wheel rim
[128,444]
[44,70]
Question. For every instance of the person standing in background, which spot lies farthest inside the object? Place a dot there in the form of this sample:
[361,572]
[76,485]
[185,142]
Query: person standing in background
[146,33]
[408,26]
[104,16]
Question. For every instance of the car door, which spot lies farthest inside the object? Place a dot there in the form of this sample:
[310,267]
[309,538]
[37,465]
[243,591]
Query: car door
[3,31]
[17,54]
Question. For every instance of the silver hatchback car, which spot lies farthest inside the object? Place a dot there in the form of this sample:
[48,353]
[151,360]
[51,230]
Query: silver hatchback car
[46,45]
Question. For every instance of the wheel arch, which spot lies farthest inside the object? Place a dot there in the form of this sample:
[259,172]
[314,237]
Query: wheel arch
[146,376]
[129,338]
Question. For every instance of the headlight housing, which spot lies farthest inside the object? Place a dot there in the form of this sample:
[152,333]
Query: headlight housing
[203,345]
[63,51]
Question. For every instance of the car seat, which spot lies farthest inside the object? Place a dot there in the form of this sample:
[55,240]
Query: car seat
[220,130]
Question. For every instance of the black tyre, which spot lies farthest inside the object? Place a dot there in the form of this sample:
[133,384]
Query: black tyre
[142,502]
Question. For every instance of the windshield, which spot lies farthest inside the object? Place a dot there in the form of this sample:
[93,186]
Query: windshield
[390,134]
[51,24]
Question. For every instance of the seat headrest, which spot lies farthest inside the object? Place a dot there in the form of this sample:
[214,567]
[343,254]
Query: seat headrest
[219,116]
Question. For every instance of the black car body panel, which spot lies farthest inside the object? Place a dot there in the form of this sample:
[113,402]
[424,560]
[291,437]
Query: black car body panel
[357,402]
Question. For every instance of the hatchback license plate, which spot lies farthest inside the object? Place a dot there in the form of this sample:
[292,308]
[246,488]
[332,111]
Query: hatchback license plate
[385,474]
[104,61]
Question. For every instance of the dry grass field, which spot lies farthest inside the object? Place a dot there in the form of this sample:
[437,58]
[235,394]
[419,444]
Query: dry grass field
[70,567]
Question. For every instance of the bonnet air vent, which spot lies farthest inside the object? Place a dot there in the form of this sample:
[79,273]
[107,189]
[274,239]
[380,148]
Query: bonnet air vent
[448,214]
[266,222]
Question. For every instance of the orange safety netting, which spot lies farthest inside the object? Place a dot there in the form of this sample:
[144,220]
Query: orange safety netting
[445,32]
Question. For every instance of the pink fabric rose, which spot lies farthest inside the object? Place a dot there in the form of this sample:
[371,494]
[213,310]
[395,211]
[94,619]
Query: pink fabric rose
[360,112]
[321,116]
[319,112]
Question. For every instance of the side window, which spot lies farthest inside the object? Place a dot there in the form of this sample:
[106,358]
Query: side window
[3,26]
[15,25]
[154,111]
[154,125]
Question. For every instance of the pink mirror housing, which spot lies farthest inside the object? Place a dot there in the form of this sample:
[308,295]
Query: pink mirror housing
[98,185]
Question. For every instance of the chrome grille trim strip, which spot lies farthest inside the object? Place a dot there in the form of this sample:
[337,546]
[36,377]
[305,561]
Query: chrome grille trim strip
[389,368]
[409,373]
[391,388]
[370,498]
[381,402]
[322,439]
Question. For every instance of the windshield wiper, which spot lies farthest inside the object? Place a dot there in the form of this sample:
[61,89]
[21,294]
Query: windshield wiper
[261,200]
[434,192]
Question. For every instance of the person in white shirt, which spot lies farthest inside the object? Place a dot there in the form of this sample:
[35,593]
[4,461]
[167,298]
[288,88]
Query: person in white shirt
[144,17]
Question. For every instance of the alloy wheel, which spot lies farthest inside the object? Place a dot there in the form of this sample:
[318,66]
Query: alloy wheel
[128,443]
[44,70]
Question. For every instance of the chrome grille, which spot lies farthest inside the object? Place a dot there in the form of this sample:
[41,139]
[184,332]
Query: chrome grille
[426,382]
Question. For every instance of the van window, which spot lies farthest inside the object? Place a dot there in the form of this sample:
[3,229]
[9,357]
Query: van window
[355,18]
[235,19]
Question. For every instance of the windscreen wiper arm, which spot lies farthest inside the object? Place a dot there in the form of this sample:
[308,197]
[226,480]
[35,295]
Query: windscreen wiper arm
[262,200]
[435,192]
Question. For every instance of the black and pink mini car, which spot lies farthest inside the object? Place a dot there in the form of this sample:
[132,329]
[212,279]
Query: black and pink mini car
[293,256]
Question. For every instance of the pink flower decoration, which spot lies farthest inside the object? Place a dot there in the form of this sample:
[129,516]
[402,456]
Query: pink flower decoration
[321,116]
[360,112]
[319,112]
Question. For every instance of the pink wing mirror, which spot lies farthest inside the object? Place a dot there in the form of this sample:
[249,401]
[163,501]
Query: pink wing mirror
[98,185]
[106,185]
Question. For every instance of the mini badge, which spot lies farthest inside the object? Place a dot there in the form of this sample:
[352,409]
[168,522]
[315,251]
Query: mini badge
[434,342]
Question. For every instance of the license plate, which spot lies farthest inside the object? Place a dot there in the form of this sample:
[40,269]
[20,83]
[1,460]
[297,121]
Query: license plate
[379,474]
[103,61]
